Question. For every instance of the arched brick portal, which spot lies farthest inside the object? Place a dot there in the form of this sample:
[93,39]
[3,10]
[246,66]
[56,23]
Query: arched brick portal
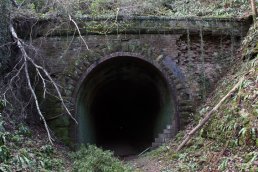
[190,65]
[123,102]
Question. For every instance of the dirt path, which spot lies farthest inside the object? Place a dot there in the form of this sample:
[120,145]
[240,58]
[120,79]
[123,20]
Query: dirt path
[145,164]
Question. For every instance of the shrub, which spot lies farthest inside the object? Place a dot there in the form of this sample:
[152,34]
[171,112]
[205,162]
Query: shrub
[92,159]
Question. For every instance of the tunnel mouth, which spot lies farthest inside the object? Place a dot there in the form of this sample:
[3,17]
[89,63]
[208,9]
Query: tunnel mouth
[123,104]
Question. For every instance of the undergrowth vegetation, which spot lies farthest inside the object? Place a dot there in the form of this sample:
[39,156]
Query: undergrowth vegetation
[97,8]
[92,159]
[250,44]
[24,150]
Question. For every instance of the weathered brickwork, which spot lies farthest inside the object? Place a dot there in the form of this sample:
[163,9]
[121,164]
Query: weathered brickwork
[191,61]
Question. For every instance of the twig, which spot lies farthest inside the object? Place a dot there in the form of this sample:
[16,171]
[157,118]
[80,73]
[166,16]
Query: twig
[14,3]
[54,84]
[77,28]
[44,83]
[208,115]
[254,10]
[36,102]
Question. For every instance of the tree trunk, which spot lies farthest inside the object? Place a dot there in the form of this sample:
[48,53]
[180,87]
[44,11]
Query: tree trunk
[4,35]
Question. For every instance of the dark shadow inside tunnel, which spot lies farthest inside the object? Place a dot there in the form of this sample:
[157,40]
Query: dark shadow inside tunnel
[124,112]
[123,104]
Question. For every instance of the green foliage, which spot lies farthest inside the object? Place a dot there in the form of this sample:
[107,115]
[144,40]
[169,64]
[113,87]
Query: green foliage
[107,8]
[4,153]
[22,160]
[175,8]
[223,165]
[93,159]
[248,162]
[3,137]
[98,7]
[19,153]
[47,149]
[24,130]
[52,164]
[2,105]
[28,159]
[250,44]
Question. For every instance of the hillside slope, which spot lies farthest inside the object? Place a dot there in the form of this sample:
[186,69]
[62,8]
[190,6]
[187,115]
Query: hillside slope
[229,141]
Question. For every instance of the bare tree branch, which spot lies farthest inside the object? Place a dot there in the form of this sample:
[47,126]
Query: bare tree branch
[25,58]
[44,84]
[16,76]
[254,10]
[36,101]
[54,84]
[70,18]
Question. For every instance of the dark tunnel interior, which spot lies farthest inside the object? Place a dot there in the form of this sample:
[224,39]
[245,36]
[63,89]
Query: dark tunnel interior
[123,98]
[124,113]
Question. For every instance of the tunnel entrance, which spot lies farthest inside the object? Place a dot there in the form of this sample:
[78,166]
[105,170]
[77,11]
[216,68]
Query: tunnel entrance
[123,104]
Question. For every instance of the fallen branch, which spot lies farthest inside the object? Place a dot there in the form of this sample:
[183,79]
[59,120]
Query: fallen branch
[25,58]
[208,115]
[54,84]
[42,72]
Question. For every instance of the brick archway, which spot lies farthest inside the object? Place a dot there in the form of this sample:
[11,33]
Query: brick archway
[153,86]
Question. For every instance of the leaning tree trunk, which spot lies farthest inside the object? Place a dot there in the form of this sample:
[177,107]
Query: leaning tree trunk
[4,35]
